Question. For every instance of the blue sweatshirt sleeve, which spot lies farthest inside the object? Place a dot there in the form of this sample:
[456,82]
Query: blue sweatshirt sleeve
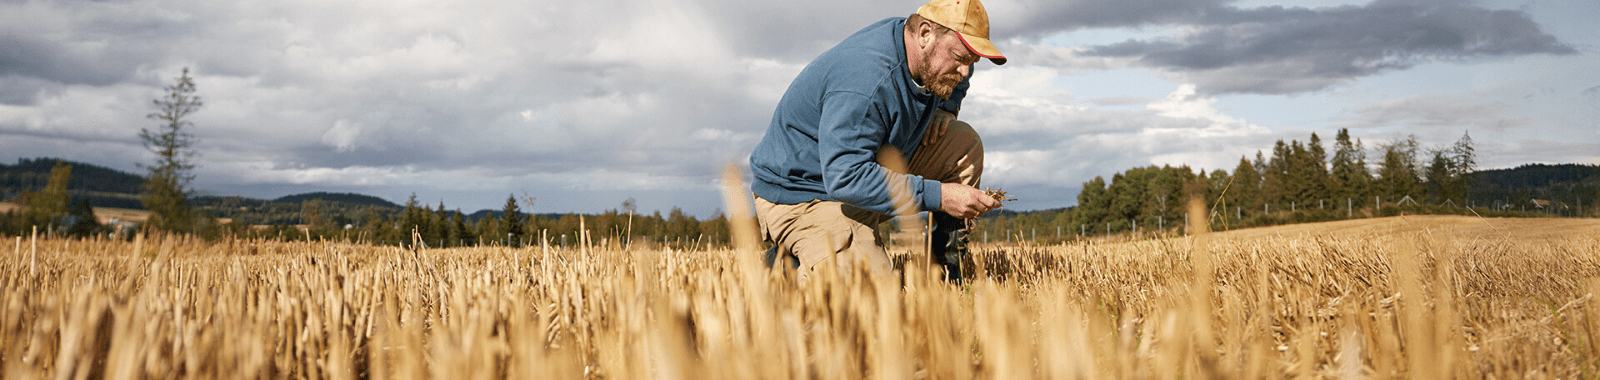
[847,142]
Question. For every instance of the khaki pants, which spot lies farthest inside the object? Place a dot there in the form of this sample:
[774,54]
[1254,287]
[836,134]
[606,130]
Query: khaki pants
[817,231]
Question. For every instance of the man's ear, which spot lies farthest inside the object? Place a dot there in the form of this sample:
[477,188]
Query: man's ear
[926,34]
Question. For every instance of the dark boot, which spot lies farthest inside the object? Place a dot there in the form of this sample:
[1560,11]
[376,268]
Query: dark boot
[775,258]
[949,240]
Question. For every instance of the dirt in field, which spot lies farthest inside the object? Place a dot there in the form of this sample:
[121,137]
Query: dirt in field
[1460,226]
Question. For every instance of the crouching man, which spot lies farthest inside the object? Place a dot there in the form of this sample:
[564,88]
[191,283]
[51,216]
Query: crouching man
[898,83]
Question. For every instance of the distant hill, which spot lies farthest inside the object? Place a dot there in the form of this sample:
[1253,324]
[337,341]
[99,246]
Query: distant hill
[1536,175]
[355,199]
[1567,184]
[101,186]
[341,208]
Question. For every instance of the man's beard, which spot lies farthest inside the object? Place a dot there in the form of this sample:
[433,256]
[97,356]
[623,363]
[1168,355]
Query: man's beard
[939,85]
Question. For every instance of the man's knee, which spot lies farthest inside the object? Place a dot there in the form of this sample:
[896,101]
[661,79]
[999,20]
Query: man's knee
[962,134]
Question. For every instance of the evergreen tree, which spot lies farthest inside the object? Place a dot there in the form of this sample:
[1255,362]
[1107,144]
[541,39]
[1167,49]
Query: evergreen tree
[1350,179]
[1439,176]
[511,221]
[1449,173]
[1316,164]
[1466,163]
[1274,180]
[374,227]
[84,222]
[166,192]
[678,225]
[1245,192]
[1397,174]
[487,229]
[411,220]
[457,233]
[1216,182]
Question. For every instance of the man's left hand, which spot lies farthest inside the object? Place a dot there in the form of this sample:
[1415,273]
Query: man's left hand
[936,127]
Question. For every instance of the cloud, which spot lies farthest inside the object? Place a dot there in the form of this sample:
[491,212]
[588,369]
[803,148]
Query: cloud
[1276,50]
[1434,113]
[1053,144]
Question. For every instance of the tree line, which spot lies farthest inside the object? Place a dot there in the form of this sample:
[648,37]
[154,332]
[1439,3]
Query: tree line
[418,223]
[1294,182]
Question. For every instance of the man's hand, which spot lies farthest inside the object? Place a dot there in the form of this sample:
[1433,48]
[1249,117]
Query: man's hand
[965,202]
[936,127]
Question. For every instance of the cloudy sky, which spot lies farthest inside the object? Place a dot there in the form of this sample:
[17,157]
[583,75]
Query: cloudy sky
[583,104]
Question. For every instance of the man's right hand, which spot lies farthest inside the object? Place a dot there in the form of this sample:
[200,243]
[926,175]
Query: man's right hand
[965,202]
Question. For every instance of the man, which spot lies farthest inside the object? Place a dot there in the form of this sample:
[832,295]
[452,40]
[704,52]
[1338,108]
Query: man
[897,83]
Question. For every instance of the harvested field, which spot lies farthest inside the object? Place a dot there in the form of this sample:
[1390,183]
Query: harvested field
[1406,297]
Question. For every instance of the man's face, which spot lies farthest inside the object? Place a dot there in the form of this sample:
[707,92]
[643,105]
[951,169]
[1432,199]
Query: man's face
[947,64]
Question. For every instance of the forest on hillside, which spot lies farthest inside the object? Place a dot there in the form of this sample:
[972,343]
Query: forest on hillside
[1298,182]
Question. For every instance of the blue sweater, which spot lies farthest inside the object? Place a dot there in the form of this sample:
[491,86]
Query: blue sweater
[851,101]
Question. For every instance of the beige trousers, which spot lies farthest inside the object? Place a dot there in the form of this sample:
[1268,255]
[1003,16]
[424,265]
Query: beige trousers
[818,231]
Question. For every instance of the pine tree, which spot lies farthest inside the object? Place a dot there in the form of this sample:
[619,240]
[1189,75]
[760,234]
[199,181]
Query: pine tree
[166,192]
[1316,164]
[1274,186]
[457,233]
[411,220]
[1440,177]
[511,221]
[1245,192]
[1449,173]
[1466,163]
[1350,179]
[1397,174]
[84,223]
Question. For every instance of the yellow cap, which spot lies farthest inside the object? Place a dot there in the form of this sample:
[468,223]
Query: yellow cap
[967,18]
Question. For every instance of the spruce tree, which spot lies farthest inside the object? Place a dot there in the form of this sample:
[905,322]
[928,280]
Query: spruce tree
[1274,188]
[1440,178]
[1349,175]
[1397,174]
[166,191]
[1466,163]
[1316,164]
[1245,192]
[511,222]
[84,222]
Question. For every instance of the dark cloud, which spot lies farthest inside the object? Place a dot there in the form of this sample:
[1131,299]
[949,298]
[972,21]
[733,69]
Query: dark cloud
[90,43]
[1038,18]
[1278,50]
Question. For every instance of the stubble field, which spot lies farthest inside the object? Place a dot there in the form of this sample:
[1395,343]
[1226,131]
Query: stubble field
[1405,297]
